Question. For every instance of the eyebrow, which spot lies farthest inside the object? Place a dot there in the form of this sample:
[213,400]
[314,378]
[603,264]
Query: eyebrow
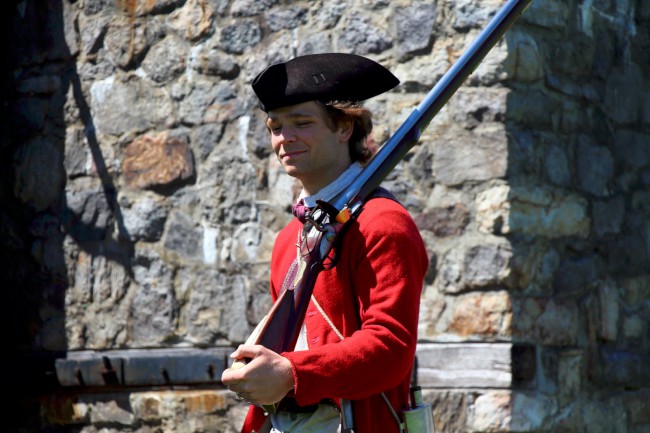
[296,114]
[291,115]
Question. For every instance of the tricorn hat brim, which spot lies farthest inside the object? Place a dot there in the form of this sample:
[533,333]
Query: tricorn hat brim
[322,77]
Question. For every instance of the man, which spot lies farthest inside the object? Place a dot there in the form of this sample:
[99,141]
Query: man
[359,336]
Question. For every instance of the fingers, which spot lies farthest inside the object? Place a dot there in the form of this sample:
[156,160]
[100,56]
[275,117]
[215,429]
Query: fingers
[264,380]
[235,354]
[231,376]
[245,351]
[242,397]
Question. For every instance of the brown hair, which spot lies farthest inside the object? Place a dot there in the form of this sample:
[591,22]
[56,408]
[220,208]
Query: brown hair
[361,119]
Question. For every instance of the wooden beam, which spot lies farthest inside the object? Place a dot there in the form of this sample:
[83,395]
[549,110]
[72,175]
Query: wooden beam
[464,365]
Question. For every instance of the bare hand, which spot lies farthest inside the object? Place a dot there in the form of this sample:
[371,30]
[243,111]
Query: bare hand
[264,380]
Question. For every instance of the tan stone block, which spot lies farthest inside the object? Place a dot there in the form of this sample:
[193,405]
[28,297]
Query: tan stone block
[156,161]
[146,406]
[112,411]
[205,402]
[484,314]
[490,412]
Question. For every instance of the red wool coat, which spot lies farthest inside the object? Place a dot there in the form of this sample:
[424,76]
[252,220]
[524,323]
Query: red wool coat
[372,296]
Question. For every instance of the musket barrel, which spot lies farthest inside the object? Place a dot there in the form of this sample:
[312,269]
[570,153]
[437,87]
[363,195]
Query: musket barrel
[410,131]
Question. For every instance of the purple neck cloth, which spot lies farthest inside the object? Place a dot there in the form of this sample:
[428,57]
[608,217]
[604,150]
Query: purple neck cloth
[299,210]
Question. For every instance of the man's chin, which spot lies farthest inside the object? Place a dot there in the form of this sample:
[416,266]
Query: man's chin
[292,171]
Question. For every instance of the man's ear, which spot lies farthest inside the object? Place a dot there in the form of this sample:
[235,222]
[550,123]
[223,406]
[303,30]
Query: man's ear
[345,129]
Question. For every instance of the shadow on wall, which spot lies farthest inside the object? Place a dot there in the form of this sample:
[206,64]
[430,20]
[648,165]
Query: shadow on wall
[568,213]
[36,216]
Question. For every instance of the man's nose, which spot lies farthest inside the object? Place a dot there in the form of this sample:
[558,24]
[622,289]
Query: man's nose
[287,135]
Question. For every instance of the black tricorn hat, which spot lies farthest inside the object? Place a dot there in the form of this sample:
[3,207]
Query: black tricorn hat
[322,77]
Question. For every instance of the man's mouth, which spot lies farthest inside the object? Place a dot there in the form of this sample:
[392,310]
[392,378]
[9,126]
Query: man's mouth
[289,155]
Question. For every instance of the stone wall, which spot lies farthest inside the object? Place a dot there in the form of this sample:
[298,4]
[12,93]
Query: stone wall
[140,203]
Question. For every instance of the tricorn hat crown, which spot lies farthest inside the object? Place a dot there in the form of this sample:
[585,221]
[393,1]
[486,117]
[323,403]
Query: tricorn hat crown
[323,77]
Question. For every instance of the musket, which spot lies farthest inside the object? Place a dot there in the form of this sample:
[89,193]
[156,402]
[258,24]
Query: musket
[280,328]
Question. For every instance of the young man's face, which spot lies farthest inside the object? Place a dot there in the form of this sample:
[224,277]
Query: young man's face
[307,145]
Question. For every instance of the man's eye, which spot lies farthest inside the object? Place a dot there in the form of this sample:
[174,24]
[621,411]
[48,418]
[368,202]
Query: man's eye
[303,124]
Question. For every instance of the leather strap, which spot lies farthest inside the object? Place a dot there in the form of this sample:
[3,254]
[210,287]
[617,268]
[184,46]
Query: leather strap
[288,404]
